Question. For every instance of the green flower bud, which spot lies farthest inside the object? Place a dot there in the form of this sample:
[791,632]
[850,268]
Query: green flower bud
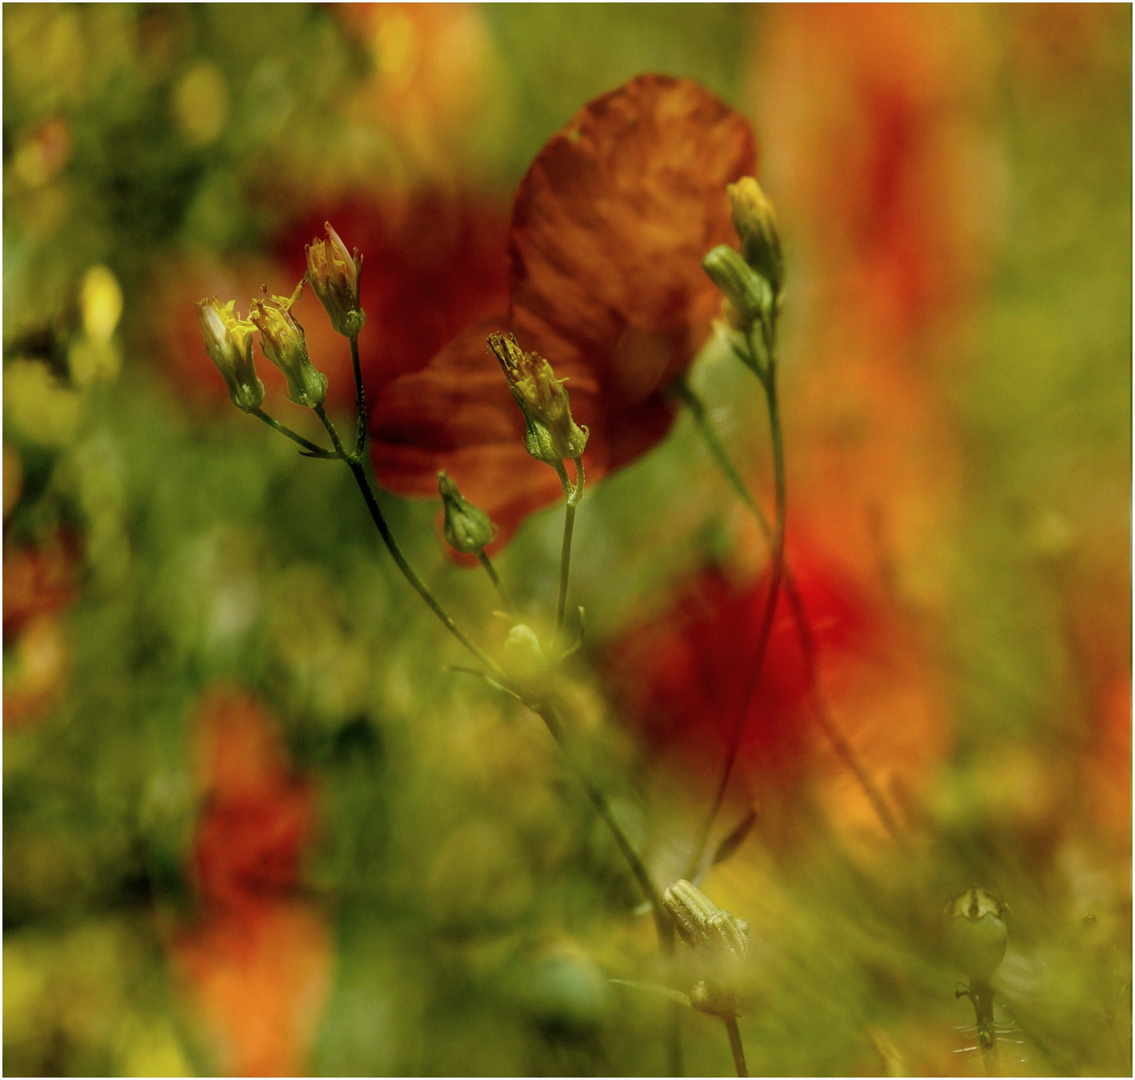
[720,942]
[976,932]
[282,340]
[755,222]
[749,295]
[522,657]
[467,529]
[228,341]
[334,275]
[703,925]
[552,436]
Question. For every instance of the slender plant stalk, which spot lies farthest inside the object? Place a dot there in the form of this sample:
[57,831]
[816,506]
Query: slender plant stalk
[800,617]
[565,565]
[768,381]
[310,447]
[662,921]
[735,1045]
[359,473]
[573,493]
[360,398]
[494,577]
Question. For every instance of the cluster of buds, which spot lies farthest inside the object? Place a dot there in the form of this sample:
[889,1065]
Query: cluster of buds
[749,279]
[551,434]
[718,939]
[333,273]
[976,932]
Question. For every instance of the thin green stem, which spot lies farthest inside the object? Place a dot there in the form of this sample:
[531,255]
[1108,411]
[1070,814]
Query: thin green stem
[408,573]
[360,398]
[573,493]
[662,921]
[565,565]
[491,570]
[735,1044]
[310,447]
[800,617]
[776,573]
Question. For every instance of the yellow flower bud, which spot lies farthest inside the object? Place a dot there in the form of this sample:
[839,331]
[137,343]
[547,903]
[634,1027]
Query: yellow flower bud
[228,341]
[282,340]
[552,435]
[755,222]
[334,275]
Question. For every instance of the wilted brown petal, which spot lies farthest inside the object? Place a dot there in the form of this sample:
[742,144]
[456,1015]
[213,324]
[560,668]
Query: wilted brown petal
[609,228]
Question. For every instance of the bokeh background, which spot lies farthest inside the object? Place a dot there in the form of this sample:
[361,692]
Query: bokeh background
[253,821]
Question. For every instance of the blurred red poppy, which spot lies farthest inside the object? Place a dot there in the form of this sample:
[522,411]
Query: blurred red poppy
[257,958]
[609,228]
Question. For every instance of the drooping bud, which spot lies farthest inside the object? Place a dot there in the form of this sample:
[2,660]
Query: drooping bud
[228,341]
[282,340]
[552,436]
[976,932]
[755,222]
[467,529]
[749,295]
[334,275]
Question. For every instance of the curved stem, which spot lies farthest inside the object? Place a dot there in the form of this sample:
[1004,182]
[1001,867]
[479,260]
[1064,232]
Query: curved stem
[408,573]
[310,447]
[735,1044]
[800,617]
[776,574]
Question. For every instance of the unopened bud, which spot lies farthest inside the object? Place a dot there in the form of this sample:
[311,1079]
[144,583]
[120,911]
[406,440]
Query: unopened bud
[552,436]
[228,341]
[467,529]
[976,932]
[522,658]
[282,340]
[703,925]
[334,275]
[749,295]
[755,222]
[720,942]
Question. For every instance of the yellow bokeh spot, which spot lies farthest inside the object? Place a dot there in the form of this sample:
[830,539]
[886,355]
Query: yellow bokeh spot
[201,103]
[397,46]
[100,300]
[37,405]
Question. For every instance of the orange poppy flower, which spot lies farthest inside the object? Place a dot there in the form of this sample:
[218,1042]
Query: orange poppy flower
[257,959]
[609,228]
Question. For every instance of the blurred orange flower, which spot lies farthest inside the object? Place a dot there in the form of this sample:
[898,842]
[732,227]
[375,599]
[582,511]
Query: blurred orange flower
[40,584]
[609,228]
[257,959]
